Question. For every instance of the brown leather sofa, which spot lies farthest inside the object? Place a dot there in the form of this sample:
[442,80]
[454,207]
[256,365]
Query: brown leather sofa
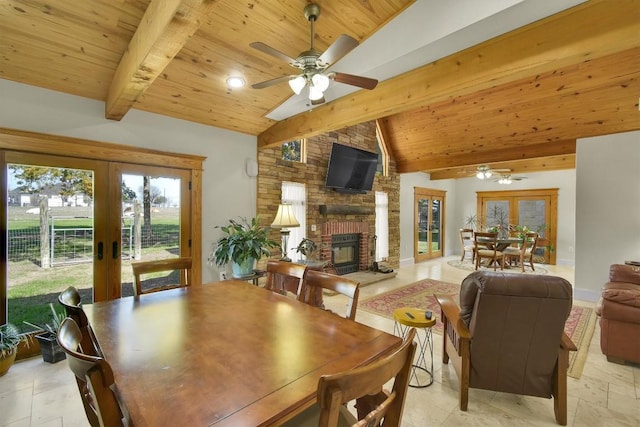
[619,311]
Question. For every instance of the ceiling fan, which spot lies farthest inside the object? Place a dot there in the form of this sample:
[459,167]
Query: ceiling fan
[484,172]
[506,178]
[314,64]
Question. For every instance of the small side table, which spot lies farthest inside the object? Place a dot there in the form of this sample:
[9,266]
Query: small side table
[409,317]
[253,277]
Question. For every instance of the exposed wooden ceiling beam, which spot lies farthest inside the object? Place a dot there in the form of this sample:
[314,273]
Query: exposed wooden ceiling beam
[498,155]
[590,30]
[541,164]
[165,28]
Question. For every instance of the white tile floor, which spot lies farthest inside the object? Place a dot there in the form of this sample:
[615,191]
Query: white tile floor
[34,393]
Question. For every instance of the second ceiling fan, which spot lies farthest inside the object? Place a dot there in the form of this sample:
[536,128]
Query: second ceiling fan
[314,64]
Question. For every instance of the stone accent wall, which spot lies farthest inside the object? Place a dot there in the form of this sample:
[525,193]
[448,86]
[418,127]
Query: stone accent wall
[273,170]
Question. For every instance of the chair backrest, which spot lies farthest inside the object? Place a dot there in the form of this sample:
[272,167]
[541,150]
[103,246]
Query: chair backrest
[532,242]
[170,265]
[483,240]
[314,280]
[283,276]
[95,380]
[70,299]
[338,389]
[466,236]
[516,322]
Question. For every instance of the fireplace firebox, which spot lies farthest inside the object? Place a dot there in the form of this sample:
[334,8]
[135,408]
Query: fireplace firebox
[345,255]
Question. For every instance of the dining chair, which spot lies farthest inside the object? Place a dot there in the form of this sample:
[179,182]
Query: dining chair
[153,282]
[524,252]
[315,281]
[466,241]
[71,301]
[284,276]
[376,406]
[486,246]
[94,376]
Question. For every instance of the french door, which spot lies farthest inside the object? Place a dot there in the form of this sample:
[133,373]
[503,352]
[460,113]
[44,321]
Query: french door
[535,209]
[428,223]
[72,221]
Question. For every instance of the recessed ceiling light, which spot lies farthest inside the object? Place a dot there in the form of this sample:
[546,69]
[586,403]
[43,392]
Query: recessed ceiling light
[235,82]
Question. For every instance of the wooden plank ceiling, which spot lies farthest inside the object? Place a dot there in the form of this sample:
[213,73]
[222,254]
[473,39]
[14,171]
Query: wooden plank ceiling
[518,101]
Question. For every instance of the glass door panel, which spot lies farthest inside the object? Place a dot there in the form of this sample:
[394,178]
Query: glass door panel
[429,215]
[154,221]
[423,226]
[435,227]
[55,233]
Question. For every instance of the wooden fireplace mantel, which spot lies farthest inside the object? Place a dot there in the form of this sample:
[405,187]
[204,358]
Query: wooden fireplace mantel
[346,210]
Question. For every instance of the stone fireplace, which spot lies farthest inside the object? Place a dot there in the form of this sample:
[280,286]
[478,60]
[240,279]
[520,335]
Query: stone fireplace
[346,245]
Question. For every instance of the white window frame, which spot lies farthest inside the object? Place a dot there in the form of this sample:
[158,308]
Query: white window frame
[295,194]
[382,226]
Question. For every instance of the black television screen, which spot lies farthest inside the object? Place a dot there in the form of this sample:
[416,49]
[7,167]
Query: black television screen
[351,169]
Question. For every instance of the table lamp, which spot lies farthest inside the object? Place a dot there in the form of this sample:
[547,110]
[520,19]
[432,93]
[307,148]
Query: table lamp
[285,220]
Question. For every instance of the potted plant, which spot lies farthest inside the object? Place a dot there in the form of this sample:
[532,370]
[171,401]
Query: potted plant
[48,340]
[10,338]
[243,243]
[306,247]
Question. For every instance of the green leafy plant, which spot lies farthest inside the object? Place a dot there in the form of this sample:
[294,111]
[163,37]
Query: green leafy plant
[56,321]
[10,338]
[242,241]
[306,247]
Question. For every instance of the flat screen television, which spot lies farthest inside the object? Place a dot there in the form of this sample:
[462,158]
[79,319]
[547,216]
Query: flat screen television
[351,170]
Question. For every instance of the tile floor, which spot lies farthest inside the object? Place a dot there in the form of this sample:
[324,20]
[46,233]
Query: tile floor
[34,393]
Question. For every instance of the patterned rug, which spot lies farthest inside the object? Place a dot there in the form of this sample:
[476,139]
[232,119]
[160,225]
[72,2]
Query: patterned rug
[579,326]
[467,265]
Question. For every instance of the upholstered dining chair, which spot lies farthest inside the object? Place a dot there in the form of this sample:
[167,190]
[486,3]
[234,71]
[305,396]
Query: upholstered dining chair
[144,284]
[486,245]
[524,252]
[71,301]
[94,376]
[315,281]
[283,277]
[507,335]
[376,406]
[466,242]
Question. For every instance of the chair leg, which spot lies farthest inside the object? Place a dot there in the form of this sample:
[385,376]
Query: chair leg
[462,259]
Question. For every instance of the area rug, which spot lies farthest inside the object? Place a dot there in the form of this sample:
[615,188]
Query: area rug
[467,265]
[579,326]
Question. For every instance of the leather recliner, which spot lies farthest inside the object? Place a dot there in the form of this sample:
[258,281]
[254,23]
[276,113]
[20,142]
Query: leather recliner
[507,335]
[619,311]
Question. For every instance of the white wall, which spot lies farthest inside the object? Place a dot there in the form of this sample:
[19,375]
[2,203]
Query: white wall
[408,182]
[227,190]
[607,208]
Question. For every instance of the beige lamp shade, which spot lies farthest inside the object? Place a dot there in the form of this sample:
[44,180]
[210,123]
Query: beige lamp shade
[285,218]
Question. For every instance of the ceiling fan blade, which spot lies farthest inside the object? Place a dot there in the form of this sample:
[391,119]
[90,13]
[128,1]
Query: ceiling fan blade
[318,101]
[273,52]
[271,82]
[339,48]
[350,79]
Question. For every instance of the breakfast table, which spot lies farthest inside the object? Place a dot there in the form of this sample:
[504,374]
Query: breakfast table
[225,353]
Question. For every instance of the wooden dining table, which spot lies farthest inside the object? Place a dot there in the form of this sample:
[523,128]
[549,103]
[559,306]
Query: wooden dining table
[225,353]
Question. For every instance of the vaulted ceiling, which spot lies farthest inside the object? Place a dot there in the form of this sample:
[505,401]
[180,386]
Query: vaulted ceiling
[518,100]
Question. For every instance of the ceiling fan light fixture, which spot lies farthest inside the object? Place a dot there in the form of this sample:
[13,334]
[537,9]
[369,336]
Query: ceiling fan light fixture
[320,82]
[297,84]
[315,93]
[483,175]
